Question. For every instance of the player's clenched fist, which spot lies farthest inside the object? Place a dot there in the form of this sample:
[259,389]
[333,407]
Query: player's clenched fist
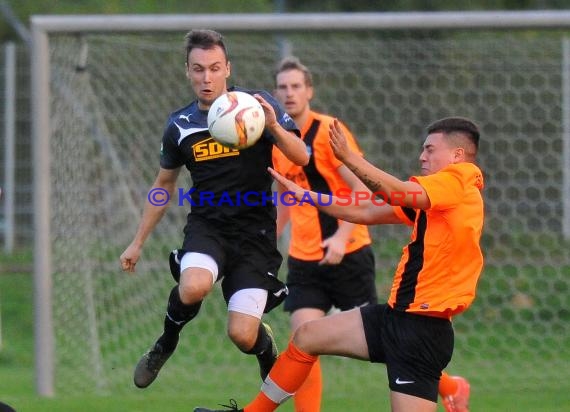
[129,258]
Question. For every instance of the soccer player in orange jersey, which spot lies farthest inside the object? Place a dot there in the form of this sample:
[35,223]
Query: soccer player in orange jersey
[436,278]
[330,262]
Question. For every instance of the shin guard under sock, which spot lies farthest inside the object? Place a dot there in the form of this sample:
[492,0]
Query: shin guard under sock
[288,374]
[177,315]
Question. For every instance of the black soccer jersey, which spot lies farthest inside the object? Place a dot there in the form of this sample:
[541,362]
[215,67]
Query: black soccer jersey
[229,186]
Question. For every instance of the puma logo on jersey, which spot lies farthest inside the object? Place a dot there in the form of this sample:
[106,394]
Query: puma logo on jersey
[209,149]
[187,118]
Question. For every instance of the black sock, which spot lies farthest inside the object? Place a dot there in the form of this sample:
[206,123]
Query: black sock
[262,344]
[177,315]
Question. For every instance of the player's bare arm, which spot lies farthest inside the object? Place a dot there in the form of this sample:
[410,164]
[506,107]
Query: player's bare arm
[362,212]
[166,179]
[335,246]
[409,193]
[291,146]
[283,215]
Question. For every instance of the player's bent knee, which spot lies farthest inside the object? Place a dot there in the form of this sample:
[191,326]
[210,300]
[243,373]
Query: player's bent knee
[303,336]
[243,339]
[193,292]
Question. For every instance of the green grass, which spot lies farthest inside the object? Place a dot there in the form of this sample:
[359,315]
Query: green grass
[17,384]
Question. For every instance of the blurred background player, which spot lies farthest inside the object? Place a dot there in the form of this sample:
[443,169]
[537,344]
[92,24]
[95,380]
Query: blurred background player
[234,244]
[330,262]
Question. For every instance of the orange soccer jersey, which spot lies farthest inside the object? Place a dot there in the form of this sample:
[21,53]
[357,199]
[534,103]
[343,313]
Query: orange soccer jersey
[310,226]
[439,269]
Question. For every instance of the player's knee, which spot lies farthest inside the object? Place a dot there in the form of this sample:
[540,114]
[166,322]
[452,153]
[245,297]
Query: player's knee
[193,292]
[302,337]
[242,337]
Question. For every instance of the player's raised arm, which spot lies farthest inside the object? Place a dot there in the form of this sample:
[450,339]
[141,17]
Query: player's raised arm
[363,211]
[283,212]
[291,146]
[408,193]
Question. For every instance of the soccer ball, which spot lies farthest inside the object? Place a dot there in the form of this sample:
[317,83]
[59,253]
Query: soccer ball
[236,120]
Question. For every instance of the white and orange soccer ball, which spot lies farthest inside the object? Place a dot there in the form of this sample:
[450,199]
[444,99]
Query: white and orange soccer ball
[236,120]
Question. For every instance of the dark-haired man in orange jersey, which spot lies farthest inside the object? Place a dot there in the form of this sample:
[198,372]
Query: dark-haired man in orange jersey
[330,261]
[435,280]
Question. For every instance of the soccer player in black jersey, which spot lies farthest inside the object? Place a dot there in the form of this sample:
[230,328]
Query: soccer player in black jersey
[230,230]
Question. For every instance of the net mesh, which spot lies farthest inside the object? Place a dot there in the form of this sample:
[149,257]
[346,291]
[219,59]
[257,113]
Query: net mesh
[110,98]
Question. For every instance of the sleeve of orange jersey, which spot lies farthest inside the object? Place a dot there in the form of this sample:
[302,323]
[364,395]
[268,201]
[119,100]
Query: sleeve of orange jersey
[275,159]
[398,210]
[445,188]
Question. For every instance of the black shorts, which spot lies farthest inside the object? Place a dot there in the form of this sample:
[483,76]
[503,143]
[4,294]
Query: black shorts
[415,348]
[246,259]
[347,285]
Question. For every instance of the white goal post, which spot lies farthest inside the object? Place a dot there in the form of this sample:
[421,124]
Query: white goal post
[43,27]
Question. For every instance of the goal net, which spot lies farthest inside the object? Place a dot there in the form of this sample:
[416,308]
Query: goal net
[110,94]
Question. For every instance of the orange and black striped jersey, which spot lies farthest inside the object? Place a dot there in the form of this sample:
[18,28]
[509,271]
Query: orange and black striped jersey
[309,226]
[439,269]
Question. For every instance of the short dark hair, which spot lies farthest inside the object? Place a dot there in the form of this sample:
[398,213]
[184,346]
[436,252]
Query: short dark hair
[293,63]
[204,39]
[449,125]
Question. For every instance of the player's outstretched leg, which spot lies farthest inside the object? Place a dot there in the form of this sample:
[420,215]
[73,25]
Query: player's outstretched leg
[267,358]
[459,401]
[232,407]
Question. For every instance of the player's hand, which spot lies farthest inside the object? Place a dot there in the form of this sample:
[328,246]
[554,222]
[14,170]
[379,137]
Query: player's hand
[338,141]
[270,117]
[334,251]
[129,258]
[289,185]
